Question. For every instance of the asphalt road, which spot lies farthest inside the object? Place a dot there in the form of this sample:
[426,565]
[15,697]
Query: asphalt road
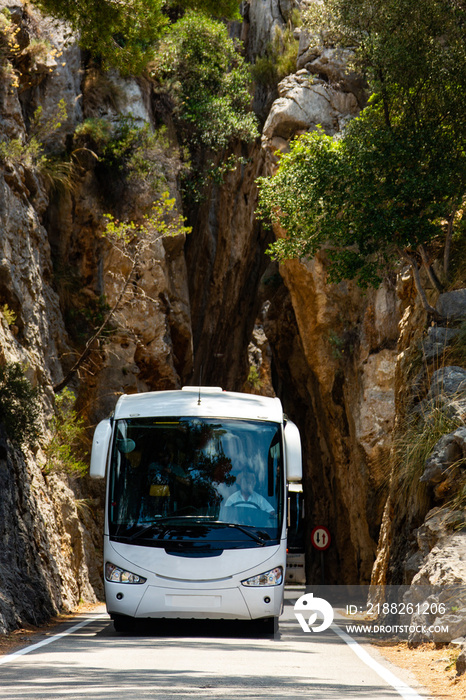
[176,660]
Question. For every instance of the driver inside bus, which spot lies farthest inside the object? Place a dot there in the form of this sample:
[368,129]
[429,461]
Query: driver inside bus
[246,496]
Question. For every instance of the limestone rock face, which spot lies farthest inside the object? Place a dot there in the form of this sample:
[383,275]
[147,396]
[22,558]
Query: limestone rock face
[49,559]
[330,66]
[452,305]
[374,417]
[47,551]
[209,287]
[436,342]
[194,308]
[422,540]
[440,579]
[150,346]
[225,261]
[264,17]
[461,661]
[347,348]
[304,104]
[359,355]
[444,467]
[37,335]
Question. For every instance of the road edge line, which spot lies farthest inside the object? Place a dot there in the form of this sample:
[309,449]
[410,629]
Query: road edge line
[400,686]
[32,647]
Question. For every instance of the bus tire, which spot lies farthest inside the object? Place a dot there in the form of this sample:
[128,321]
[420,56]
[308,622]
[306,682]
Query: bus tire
[267,626]
[124,624]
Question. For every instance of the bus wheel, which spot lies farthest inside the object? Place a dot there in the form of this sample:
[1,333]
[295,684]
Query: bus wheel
[267,626]
[124,624]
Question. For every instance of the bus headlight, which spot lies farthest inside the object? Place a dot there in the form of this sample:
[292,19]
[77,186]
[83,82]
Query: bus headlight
[274,577]
[116,575]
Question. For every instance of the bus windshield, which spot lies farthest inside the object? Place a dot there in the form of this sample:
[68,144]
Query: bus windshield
[208,481]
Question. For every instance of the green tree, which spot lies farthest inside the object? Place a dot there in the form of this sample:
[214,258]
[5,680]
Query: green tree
[407,51]
[123,35]
[20,406]
[202,69]
[374,196]
[64,449]
[392,182]
[229,9]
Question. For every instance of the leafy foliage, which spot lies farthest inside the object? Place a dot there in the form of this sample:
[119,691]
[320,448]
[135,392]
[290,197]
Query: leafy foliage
[387,186]
[43,126]
[63,451]
[159,223]
[123,35]
[279,58]
[413,54]
[20,407]
[128,150]
[403,48]
[9,47]
[254,379]
[229,9]
[200,66]
[29,153]
[8,314]
[366,197]
[33,153]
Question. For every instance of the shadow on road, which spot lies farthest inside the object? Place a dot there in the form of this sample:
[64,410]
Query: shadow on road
[214,629]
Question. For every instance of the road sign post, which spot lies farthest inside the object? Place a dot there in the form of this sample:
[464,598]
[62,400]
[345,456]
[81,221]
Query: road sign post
[320,539]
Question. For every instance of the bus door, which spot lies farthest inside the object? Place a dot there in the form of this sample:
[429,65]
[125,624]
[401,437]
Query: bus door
[295,562]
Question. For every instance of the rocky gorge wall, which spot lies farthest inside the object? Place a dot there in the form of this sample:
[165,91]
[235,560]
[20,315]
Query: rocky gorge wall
[374,366]
[209,307]
[345,381]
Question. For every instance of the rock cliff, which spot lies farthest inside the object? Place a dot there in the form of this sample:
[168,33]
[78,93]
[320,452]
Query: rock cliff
[347,345]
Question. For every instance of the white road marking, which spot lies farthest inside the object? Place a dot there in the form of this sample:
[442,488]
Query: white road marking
[400,686]
[32,647]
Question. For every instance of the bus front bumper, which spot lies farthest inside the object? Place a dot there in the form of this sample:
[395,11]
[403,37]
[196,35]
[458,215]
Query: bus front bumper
[237,602]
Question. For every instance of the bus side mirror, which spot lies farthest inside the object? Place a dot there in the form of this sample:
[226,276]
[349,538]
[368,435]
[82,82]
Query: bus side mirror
[100,445]
[294,465]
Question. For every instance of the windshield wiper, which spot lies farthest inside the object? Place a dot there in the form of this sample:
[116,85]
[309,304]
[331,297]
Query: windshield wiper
[190,519]
[142,531]
[194,520]
[211,520]
[252,535]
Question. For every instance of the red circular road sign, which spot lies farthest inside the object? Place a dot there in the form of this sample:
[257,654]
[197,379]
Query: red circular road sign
[320,537]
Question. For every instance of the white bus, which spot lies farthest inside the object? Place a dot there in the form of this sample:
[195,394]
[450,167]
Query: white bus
[195,521]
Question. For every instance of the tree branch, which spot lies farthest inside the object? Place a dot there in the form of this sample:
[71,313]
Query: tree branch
[446,251]
[69,375]
[430,270]
[124,237]
[417,281]
[386,107]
